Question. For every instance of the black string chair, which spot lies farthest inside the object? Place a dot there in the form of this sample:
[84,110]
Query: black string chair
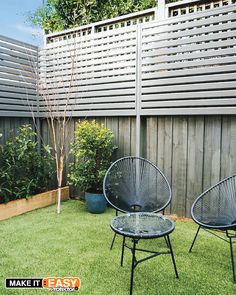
[215,210]
[136,187]
[134,184]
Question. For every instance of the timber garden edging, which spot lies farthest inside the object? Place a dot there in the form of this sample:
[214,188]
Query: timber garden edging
[18,207]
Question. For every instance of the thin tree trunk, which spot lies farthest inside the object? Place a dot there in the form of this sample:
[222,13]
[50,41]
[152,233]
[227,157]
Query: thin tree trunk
[59,200]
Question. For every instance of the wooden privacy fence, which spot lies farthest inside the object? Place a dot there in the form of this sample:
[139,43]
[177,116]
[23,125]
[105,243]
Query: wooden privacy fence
[174,69]
[194,152]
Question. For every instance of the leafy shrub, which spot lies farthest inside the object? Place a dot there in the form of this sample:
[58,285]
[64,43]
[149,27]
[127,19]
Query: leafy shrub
[92,148]
[24,171]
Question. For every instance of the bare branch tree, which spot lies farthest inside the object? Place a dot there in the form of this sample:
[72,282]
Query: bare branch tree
[57,114]
[57,118]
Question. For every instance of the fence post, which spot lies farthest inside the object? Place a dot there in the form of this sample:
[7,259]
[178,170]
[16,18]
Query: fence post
[37,122]
[161,10]
[138,87]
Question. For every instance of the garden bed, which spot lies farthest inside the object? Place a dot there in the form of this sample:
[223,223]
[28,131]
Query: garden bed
[21,206]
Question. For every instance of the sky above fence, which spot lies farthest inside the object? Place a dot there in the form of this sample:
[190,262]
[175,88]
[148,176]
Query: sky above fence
[13,20]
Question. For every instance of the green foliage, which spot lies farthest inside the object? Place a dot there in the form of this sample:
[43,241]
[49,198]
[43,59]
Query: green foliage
[92,148]
[24,171]
[63,14]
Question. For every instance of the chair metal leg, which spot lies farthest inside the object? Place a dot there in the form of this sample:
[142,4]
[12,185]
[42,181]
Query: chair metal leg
[114,237]
[190,249]
[172,256]
[113,240]
[232,258]
[122,252]
[132,267]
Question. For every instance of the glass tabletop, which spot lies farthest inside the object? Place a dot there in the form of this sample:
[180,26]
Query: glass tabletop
[142,225]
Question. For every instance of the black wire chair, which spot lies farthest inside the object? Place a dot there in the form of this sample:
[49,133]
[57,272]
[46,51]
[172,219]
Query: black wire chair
[134,184]
[138,188]
[215,210]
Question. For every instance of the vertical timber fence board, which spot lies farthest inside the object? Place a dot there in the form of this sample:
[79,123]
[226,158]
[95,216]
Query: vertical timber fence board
[228,144]
[138,88]
[179,164]
[124,136]
[70,129]
[159,144]
[152,135]
[195,160]
[133,136]
[112,123]
[212,150]
[165,144]
[45,133]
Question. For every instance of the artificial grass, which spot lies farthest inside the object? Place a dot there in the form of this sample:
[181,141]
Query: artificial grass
[76,243]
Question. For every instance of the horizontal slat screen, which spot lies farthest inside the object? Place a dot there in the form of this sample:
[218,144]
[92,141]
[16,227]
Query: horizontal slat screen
[18,70]
[90,75]
[189,64]
[181,65]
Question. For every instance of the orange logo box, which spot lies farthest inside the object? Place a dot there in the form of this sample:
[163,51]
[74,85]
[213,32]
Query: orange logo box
[61,283]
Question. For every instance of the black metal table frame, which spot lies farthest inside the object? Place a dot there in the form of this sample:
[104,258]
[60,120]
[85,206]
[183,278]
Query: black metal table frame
[133,249]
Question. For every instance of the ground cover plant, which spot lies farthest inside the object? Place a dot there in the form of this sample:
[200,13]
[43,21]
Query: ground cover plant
[24,170]
[76,243]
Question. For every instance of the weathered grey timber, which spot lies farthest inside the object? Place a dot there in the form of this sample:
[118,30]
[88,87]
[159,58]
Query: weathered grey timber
[193,151]
[10,125]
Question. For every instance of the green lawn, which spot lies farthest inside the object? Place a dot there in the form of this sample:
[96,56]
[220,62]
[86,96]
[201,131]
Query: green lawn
[76,243]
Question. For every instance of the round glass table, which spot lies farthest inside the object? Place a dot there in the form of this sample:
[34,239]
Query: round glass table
[143,226]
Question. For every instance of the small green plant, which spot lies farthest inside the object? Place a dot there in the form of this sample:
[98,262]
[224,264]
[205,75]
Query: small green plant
[24,171]
[92,148]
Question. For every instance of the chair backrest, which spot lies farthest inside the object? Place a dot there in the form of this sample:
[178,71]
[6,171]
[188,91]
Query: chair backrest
[216,207]
[134,184]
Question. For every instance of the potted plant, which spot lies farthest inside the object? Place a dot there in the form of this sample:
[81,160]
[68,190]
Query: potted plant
[92,149]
